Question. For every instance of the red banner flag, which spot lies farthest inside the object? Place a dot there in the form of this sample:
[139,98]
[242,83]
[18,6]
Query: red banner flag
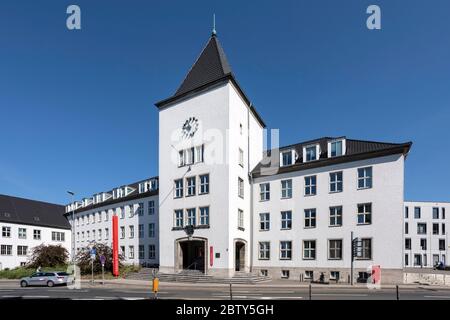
[115,236]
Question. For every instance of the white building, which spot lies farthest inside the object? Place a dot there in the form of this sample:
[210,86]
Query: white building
[248,212]
[136,205]
[25,224]
[425,229]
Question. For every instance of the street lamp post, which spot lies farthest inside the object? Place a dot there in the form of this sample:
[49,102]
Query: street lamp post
[73,229]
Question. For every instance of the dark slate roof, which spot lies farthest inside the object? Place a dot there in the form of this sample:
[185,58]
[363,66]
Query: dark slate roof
[355,150]
[133,195]
[32,212]
[210,68]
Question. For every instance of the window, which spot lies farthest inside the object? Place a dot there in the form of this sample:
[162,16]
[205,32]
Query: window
[240,128]
[106,233]
[309,274]
[286,189]
[122,250]
[435,228]
[364,213]
[421,228]
[6,250]
[264,221]
[99,234]
[22,233]
[6,232]
[141,209]
[286,220]
[366,246]
[179,218]
[287,158]
[406,259]
[190,155]
[336,148]
[151,207]
[22,250]
[336,216]
[151,230]
[406,228]
[204,184]
[310,218]
[241,157]
[285,250]
[191,217]
[181,158]
[106,215]
[284,274]
[122,232]
[151,251]
[435,213]
[140,231]
[131,232]
[335,275]
[309,249]
[37,234]
[417,212]
[240,219]
[99,217]
[199,154]
[93,235]
[310,186]
[418,260]
[190,191]
[406,212]
[179,188]
[58,236]
[365,178]
[141,251]
[336,181]
[131,252]
[204,216]
[407,243]
[423,244]
[240,187]
[264,250]
[335,249]
[443,213]
[122,212]
[264,191]
[88,235]
[443,228]
[263,272]
[131,207]
[311,153]
[442,244]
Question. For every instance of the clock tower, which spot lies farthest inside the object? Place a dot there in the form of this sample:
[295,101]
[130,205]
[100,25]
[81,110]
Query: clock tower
[210,138]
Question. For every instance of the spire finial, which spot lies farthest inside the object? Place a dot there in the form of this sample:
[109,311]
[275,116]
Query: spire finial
[214,25]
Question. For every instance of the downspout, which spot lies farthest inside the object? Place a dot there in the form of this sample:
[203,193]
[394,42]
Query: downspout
[251,190]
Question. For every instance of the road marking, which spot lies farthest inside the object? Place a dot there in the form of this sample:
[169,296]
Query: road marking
[133,298]
[340,294]
[36,297]
[282,298]
[10,296]
[438,297]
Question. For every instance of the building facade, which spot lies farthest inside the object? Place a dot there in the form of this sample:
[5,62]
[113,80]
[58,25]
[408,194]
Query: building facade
[425,230]
[25,224]
[136,206]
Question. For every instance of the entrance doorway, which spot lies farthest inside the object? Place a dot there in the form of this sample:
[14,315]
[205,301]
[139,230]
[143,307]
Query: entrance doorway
[192,255]
[239,256]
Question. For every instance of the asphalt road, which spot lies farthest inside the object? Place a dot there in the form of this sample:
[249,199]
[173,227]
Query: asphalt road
[12,290]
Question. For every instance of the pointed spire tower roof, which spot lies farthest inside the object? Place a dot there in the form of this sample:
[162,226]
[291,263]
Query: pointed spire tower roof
[210,68]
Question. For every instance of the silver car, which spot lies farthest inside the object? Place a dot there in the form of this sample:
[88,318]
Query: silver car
[48,279]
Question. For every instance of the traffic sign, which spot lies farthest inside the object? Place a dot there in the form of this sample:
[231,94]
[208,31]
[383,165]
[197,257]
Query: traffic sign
[102,260]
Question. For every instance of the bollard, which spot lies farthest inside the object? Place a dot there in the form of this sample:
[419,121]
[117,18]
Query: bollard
[310,293]
[155,287]
[398,297]
[231,292]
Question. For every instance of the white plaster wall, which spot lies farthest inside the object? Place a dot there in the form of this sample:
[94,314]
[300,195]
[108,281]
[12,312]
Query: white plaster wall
[386,197]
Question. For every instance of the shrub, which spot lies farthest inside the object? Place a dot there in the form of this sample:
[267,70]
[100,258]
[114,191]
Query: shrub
[48,256]
[83,259]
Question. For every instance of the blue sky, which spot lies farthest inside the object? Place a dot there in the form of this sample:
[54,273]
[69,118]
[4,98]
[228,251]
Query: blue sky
[77,107]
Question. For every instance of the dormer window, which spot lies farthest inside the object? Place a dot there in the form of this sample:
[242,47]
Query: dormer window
[287,158]
[336,148]
[311,153]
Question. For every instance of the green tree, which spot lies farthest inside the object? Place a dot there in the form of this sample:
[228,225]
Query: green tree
[48,256]
[83,259]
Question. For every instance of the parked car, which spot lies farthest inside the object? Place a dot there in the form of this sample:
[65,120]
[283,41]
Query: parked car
[48,279]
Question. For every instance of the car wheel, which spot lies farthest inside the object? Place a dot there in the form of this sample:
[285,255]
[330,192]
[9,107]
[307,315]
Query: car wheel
[23,284]
[50,284]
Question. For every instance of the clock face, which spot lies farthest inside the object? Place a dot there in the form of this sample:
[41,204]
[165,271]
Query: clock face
[189,128]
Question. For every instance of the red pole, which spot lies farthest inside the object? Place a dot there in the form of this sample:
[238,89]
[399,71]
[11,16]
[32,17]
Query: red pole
[211,256]
[115,235]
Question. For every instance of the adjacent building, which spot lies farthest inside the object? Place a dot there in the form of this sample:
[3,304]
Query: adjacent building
[425,230]
[136,206]
[25,224]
